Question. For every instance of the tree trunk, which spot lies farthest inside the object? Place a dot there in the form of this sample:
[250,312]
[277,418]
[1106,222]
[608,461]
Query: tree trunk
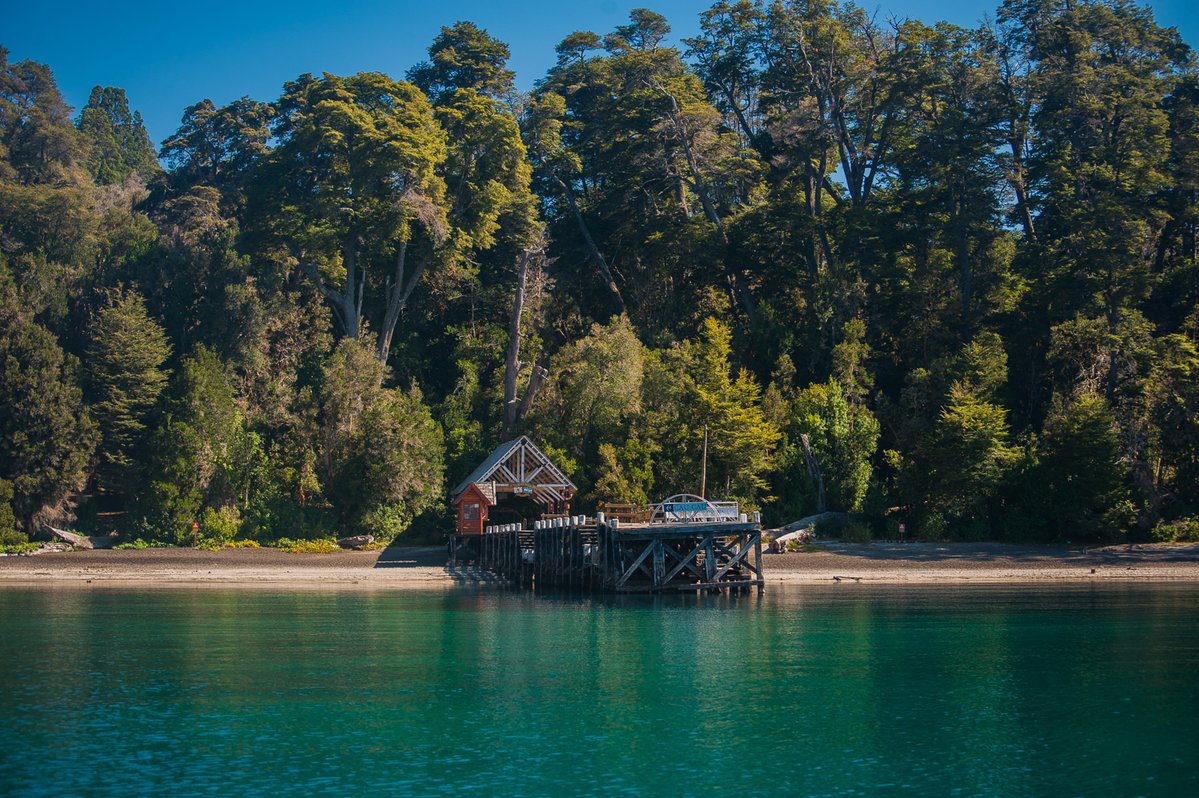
[514,412]
[592,249]
[1017,180]
[962,255]
[512,360]
[740,284]
[399,288]
[814,472]
[347,302]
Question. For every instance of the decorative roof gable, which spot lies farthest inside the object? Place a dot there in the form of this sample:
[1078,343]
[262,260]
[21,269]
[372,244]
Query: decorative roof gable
[519,462]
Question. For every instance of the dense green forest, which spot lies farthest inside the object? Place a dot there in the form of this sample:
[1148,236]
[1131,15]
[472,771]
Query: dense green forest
[916,272]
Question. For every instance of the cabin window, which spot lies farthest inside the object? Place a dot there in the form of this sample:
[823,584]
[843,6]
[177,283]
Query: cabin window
[470,511]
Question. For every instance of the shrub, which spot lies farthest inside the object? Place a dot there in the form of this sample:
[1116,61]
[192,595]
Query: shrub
[385,522]
[274,515]
[220,525]
[18,547]
[1183,530]
[933,528]
[139,544]
[322,546]
[241,544]
[857,532]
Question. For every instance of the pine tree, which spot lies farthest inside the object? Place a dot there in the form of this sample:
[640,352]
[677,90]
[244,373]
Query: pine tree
[125,376]
[968,457]
[118,144]
[1079,476]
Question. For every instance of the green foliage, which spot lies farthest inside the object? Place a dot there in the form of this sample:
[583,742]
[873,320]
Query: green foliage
[843,439]
[626,474]
[386,455]
[464,56]
[970,249]
[138,544]
[857,532]
[118,144]
[1182,530]
[46,434]
[1079,477]
[205,463]
[741,441]
[125,375]
[10,537]
[969,458]
[321,546]
[18,547]
[361,155]
[220,525]
[592,401]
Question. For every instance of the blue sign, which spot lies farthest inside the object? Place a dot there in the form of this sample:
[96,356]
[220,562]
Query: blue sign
[685,507]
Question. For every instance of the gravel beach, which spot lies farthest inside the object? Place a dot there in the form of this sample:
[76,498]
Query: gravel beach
[425,568]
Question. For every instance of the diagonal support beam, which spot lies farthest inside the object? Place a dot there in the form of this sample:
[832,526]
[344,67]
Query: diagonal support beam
[687,562]
[740,554]
[649,549]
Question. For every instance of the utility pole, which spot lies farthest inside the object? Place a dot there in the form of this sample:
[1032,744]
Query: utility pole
[703,473]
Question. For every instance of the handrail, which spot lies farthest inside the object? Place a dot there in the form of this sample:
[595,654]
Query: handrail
[687,508]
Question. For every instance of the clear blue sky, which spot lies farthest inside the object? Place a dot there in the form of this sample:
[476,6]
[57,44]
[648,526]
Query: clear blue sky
[170,55]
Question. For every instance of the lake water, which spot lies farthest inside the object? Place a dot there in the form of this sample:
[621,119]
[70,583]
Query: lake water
[852,690]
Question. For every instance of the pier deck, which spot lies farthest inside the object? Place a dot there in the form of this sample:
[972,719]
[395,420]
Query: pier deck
[597,554]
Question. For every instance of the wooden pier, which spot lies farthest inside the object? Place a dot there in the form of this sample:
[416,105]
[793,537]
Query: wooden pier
[581,553]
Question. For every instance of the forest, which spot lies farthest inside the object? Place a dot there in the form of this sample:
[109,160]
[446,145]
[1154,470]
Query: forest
[914,272]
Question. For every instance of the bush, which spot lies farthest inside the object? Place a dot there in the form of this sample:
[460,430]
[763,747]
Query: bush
[220,525]
[322,546]
[933,528]
[832,528]
[857,532]
[1183,530]
[241,544]
[385,522]
[18,547]
[138,544]
[276,515]
[11,537]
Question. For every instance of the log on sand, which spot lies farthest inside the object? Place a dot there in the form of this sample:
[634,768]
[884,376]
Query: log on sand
[810,521]
[82,541]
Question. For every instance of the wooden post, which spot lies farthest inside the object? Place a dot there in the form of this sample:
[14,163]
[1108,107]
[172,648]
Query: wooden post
[709,560]
[659,563]
[758,559]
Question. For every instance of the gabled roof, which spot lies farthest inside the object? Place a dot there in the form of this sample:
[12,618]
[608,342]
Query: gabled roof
[532,456]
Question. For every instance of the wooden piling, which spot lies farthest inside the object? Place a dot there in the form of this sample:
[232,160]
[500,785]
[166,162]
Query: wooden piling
[577,553]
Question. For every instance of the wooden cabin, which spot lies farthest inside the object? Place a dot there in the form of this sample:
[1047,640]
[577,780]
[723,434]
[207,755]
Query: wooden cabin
[515,483]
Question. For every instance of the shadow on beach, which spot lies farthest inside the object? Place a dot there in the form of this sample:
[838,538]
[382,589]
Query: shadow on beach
[435,557]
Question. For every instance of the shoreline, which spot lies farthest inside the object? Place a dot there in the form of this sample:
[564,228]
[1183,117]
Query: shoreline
[424,568]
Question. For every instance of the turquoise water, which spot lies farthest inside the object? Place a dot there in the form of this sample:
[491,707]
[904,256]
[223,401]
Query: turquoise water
[850,690]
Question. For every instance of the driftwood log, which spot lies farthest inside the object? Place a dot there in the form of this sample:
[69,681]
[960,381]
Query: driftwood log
[809,521]
[82,541]
[356,541]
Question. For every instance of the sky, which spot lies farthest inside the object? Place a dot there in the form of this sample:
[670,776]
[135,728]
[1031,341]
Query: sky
[168,56]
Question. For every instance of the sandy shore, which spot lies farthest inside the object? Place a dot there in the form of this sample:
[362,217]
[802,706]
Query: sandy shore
[424,568]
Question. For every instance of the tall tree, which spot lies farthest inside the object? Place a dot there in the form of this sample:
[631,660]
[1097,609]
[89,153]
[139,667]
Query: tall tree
[118,144]
[359,154]
[464,56]
[125,375]
[47,436]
